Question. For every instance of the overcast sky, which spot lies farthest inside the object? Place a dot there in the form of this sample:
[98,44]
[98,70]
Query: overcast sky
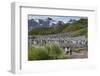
[56,18]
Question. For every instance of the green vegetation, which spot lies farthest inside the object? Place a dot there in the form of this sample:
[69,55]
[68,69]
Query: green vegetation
[54,51]
[77,28]
[72,27]
[46,52]
[80,32]
[37,53]
[78,50]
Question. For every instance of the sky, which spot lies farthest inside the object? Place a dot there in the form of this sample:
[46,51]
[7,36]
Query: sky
[65,19]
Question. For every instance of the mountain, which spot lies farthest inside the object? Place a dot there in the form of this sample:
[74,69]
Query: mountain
[38,23]
[76,28]
[32,23]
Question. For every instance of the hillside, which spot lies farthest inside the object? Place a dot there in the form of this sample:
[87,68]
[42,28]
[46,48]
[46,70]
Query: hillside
[77,28]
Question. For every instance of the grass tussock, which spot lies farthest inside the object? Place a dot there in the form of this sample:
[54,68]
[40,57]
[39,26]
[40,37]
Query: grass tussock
[46,52]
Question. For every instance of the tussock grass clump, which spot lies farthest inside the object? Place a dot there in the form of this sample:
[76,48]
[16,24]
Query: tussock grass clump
[78,50]
[37,53]
[46,52]
[54,51]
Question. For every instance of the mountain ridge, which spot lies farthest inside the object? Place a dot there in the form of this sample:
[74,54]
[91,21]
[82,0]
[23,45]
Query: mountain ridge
[75,26]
